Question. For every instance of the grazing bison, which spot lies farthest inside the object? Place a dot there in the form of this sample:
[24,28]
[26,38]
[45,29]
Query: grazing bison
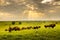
[50,25]
[29,27]
[14,28]
[9,29]
[23,28]
[36,27]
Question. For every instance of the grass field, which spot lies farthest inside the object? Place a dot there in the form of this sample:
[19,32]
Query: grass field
[31,34]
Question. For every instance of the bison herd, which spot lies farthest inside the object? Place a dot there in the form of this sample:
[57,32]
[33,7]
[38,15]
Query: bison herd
[16,28]
[50,25]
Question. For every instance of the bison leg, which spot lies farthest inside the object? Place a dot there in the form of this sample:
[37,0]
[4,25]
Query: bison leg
[45,26]
[15,29]
[52,26]
[10,30]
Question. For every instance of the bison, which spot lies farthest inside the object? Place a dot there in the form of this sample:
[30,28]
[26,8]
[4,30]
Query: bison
[36,27]
[29,27]
[50,25]
[14,28]
[9,29]
[23,28]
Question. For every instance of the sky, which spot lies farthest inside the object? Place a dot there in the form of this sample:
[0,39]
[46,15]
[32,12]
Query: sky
[25,10]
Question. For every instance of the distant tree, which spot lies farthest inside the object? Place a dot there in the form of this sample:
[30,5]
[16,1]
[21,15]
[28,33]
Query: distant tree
[13,22]
[19,22]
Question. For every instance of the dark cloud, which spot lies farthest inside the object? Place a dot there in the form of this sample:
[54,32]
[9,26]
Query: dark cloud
[13,7]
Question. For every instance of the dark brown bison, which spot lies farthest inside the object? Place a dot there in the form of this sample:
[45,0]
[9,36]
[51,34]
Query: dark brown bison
[29,27]
[23,28]
[36,27]
[14,28]
[9,29]
[50,25]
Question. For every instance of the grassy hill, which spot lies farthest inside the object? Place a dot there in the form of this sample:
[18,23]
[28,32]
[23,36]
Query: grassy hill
[30,34]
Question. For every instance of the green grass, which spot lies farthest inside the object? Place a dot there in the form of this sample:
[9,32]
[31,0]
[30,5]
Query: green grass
[32,34]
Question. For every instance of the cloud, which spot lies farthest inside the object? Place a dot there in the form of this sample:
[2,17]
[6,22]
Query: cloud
[51,2]
[28,10]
